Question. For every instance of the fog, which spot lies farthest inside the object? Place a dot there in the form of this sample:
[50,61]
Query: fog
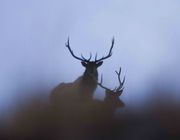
[34,58]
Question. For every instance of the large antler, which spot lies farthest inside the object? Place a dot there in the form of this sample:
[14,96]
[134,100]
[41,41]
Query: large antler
[109,54]
[82,58]
[118,89]
[87,60]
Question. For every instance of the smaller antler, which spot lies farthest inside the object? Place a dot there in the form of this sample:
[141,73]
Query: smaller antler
[71,51]
[119,89]
[100,84]
[109,54]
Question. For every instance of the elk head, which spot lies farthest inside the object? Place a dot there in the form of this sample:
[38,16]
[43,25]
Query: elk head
[91,66]
[112,95]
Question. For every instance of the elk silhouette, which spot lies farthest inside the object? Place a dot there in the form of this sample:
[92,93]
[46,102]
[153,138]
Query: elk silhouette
[112,99]
[86,84]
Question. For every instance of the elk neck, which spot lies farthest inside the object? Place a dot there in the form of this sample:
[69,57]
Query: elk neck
[90,78]
[88,85]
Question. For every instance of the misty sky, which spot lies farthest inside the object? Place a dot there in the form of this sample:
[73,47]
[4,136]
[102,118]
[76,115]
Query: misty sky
[34,59]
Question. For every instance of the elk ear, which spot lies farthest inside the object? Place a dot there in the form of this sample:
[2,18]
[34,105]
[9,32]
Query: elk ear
[99,63]
[83,63]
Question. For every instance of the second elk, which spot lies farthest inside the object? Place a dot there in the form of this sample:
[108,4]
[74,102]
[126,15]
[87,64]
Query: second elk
[112,96]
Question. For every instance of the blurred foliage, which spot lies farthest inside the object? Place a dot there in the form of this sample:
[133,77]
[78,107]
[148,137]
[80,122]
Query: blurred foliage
[91,119]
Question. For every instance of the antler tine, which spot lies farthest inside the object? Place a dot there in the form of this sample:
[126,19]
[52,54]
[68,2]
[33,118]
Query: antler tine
[87,60]
[72,53]
[96,57]
[90,56]
[109,54]
[119,73]
[119,79]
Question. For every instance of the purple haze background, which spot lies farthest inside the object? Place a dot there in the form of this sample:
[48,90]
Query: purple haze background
[34,59]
